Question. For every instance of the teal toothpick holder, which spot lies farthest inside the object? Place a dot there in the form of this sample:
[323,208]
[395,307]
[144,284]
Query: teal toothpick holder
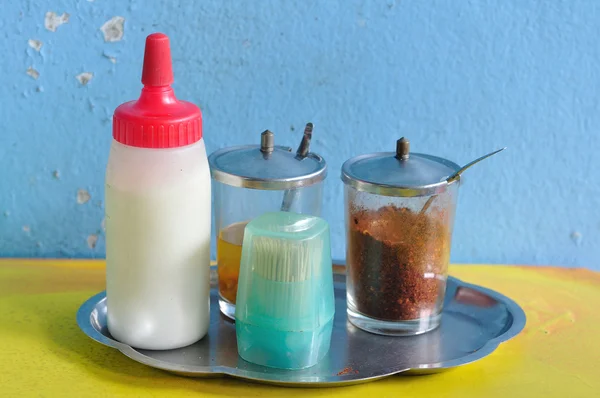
[285,300]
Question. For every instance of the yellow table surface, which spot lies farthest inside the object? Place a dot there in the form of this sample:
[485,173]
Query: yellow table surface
[43,352]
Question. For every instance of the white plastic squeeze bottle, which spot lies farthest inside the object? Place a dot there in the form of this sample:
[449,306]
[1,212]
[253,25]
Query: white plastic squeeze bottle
[158,214]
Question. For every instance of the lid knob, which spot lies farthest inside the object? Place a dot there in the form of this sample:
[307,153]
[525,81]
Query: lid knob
[267,141]
[402,149]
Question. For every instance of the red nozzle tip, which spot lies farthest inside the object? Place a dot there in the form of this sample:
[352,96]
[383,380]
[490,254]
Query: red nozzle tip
[157,71]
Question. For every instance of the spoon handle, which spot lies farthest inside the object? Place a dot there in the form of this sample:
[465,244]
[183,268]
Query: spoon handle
[457,174]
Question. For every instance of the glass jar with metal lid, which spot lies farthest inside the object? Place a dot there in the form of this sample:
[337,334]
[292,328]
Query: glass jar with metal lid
[399,212]
[251,180]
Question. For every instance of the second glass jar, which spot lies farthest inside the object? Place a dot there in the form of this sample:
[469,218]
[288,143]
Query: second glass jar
[249,181]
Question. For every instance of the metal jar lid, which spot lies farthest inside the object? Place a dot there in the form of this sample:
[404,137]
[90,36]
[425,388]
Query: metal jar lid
[399,173]
[266,167]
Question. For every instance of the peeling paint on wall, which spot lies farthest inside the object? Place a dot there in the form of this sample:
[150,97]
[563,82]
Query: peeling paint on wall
[33,73]
[35,44]
[110,58]
[83,196]
[113,29]
[52,20]
[576,237]
[84,78]
[92,240]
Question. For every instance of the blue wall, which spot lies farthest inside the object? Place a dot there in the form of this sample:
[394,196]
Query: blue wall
[459,78]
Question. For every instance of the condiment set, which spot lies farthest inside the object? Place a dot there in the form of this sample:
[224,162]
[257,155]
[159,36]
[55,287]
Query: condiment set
[275,279]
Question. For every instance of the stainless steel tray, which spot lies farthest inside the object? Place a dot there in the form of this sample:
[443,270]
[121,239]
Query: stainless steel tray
[474,322]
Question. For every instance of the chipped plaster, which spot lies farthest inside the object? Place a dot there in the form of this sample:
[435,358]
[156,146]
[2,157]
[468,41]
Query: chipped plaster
[33,73]
[83,196]
[52,20]
[92,240]
[35,44]
[113,29]
[111,58]
[84,78]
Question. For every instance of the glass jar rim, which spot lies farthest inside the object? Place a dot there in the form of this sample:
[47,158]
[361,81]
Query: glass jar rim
[310,170]
[371,185]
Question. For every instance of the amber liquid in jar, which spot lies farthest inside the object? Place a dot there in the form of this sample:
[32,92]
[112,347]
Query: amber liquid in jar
[229,255]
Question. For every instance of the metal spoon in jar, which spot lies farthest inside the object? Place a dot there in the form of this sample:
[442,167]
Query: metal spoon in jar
[457,175]
[302,152]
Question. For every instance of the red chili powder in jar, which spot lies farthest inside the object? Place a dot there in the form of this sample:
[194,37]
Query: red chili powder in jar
[398,260]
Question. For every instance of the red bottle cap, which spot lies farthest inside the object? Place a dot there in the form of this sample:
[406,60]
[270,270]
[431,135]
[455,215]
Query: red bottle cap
[157,119]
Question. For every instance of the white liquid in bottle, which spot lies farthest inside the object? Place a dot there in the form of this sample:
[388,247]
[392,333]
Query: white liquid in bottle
[158,215]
